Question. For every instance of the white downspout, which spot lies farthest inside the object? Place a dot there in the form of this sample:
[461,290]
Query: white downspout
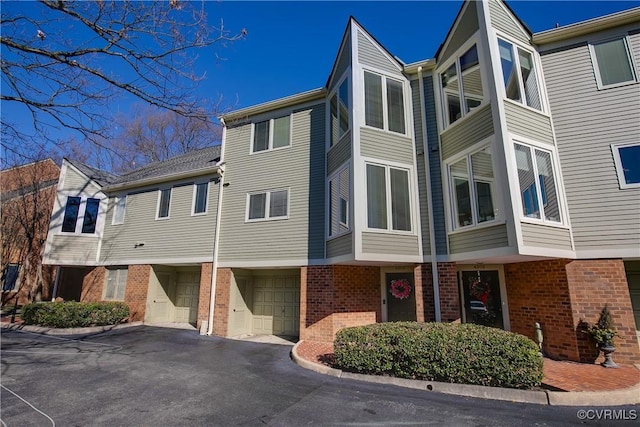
[216,241]
[432,234]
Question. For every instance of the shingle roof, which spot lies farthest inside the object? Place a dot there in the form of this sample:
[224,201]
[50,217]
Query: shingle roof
[197,159]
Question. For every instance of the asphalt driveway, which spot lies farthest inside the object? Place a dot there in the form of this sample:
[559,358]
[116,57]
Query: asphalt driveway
[146,376]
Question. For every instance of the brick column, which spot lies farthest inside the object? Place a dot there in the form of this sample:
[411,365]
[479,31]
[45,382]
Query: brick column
[135,295]
[93,285]
[424,276]
[449,292]
[223,293]
[316,303]
[204,295]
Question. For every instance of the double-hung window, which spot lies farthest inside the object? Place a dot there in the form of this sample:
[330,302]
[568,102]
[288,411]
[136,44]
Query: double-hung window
[271,134]
[471,182]
[10,277]
[339,202]
[388,198]
[164,203]
[76,209]
[461,86]
[267,205]
[384,103]
[339,108]
[119,208]
[116,284]
[537,184]
[200,196]
[612,62]
[519,74]
[627,161]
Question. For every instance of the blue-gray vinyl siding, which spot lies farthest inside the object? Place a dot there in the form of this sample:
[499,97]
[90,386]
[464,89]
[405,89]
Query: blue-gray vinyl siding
[587,122]
[524,122]
[386,146]
[370,54]
[503,20]
[435,166]
[468,131]
[343,61]
[479,239]
[466,28]
[421,167]
[300,168]
[391,244]
[181,237]
[339,154]
[340,246]
[546,237]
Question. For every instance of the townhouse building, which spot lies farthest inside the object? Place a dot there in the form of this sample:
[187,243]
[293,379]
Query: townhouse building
[495,183]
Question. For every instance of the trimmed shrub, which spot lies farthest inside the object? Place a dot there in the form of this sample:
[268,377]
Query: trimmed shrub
[74,314]
[445,352]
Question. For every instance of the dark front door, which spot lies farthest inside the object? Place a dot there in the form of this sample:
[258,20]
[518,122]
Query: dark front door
[401,297]
[482,300]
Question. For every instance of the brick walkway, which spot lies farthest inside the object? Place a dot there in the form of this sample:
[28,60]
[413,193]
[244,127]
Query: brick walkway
[560,376]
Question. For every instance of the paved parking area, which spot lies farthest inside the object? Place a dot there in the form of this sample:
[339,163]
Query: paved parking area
[146,376]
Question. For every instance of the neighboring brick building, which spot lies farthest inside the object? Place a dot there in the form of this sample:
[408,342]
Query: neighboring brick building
[27,193]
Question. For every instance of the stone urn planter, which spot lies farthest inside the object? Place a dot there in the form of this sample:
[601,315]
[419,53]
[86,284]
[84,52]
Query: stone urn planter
[607,350]
[603,333]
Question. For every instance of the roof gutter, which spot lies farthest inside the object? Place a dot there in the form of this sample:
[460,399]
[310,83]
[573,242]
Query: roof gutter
[163,178]
[415,67]
[585,27]
[272,105]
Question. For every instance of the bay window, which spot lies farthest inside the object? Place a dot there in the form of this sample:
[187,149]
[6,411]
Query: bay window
[384,103]
[537,184]
[76,209]
[471,184]
[519,74]
[339,108]
[461,85]
[388,198]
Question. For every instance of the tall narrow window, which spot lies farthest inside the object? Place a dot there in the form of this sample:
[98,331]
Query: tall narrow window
[339,202]
[378,100]
[257,206]
[261,136]
[281,130]
[71,211]
[164,203]
[395,101]
[119,209]
[339,109]
[461,86]
[612,62]
[388,198]
[116,284]
[471,182]
[90,216]
[373,112]
[519,75]
[200,198]
[537,184]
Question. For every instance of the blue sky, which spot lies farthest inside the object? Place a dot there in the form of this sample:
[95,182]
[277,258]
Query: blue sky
[291,46]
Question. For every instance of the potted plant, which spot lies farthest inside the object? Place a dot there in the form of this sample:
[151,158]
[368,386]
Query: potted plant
[603,333]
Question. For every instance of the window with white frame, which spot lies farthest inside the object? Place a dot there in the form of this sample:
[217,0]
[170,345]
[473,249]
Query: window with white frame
[271,134]
[116,284]
[384,102]
[339,202]
[461,85]
[339,109]
[537,182]
[200,196]
[268,205]
[612,62]
[164,203]
[76,209]
[119,208]
[627,161]
[471,189]
[388,198]
[519,74]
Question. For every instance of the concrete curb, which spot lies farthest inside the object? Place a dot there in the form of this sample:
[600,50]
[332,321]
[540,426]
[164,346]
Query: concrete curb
[66,331]
[629,396]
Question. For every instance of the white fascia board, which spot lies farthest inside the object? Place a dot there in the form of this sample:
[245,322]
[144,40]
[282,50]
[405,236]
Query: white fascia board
[274,105]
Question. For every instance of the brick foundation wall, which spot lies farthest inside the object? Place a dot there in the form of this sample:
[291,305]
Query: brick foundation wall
[221,310]
[559,294]
[449,292]
[135,295]
[204,296]
[335,297]
[594,283]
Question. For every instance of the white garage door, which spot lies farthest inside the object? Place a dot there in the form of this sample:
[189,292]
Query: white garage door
[276,305]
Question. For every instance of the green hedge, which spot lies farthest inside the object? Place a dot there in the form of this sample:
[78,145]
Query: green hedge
[445,352]
[74,314]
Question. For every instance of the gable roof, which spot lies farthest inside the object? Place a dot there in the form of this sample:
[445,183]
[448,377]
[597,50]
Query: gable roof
[192,163]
